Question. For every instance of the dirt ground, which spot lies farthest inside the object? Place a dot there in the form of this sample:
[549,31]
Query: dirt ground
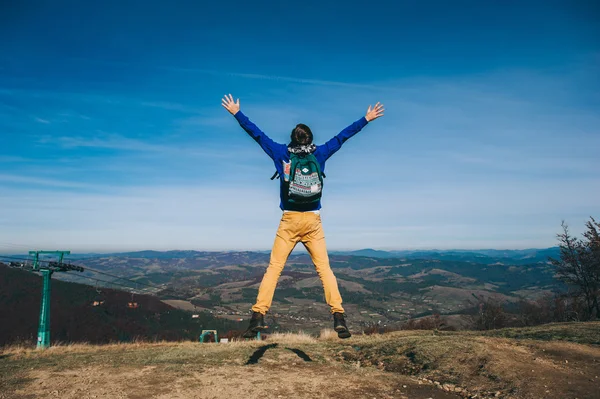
[278,373]
[404,365]
[265,381]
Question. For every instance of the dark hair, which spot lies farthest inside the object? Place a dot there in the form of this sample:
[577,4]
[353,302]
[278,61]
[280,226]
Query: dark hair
[301,135]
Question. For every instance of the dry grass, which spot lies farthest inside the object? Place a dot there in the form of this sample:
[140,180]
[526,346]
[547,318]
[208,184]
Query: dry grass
[292,338]
[529,367]
[328,334]
[583,333]
[66,347]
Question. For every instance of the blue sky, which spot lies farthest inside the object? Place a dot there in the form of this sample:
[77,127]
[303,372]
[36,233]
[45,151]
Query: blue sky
[113,136]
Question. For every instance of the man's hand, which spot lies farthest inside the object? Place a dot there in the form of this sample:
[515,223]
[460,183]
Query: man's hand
[232,107]
[374,113]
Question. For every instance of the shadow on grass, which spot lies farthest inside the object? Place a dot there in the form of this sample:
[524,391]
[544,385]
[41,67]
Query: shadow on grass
[259,353]
[301,354]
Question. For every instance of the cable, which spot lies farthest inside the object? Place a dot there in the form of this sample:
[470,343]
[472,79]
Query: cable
[95,279]
[176,296]
[96,271]
[17,258]
[103,281]
[123,278]
[158,288]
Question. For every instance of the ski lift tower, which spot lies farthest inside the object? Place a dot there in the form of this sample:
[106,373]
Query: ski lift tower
[43,340]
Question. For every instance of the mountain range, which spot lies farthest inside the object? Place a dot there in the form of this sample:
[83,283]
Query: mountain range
[378,287]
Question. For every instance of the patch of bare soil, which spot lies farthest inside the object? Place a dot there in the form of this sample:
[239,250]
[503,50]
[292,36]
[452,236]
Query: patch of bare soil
[546,369]
[403,365]
[284,377]
[488,367]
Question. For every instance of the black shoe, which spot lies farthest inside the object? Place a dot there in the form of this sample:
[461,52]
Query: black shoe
[339,325]
[257,323]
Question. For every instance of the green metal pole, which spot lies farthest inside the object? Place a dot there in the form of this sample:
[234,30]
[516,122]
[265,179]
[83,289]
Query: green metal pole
[43,340]
[36,263]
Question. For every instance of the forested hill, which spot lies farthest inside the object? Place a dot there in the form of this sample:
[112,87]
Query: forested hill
[75,319]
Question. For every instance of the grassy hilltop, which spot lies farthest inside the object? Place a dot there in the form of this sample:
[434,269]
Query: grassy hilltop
[551,361]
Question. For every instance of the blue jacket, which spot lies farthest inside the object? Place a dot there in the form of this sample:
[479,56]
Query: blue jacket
[279,152]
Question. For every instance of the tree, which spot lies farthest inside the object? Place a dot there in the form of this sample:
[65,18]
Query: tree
[560,307]
[579,265]
[488,315]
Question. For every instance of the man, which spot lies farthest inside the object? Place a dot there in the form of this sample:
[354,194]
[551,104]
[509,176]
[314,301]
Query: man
[300,166]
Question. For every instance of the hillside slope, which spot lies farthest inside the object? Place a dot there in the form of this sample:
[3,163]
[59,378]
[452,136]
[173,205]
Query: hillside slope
[74,319]
[408,364]
[385,290]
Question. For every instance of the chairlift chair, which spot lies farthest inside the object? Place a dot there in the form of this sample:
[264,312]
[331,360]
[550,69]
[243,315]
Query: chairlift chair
[98,301]
[132,304]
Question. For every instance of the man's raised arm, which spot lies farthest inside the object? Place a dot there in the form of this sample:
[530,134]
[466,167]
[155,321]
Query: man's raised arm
[258,135]
[333,145]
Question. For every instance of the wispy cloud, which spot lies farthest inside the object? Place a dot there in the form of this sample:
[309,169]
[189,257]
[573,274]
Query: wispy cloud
[224,73]
[75,115]
[121,143]
[481,161]
[35,181]
[289,79]
[171,106]
[198,217]
[72,96]
[110,141]
[40,120]
[12,158]
[136,217]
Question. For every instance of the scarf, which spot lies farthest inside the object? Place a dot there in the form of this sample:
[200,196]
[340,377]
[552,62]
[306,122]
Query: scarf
[302,149]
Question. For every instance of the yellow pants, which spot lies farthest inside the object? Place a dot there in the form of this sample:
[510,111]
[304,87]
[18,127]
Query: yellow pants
[304,227]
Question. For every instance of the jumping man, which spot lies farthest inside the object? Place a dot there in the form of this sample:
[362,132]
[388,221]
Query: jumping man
[300,166]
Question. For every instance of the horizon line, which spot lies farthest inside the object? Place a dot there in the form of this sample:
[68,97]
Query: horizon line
[269,250]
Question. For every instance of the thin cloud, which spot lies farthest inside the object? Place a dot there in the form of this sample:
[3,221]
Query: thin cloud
[170,106]
[40,120]
[198,218]
[33,181]
[254,76]
[482,162]
[299,80]
[122,143]
[10,159]
[74,115]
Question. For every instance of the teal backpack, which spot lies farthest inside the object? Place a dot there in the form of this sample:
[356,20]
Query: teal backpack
[304,181]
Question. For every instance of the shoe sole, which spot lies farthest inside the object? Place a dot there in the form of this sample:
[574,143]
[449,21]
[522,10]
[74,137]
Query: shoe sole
[342,332]
[254,332]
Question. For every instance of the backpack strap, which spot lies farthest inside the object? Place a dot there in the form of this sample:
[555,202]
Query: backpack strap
[276,175]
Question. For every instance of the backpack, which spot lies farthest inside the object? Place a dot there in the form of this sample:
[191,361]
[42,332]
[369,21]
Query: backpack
[305,182]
